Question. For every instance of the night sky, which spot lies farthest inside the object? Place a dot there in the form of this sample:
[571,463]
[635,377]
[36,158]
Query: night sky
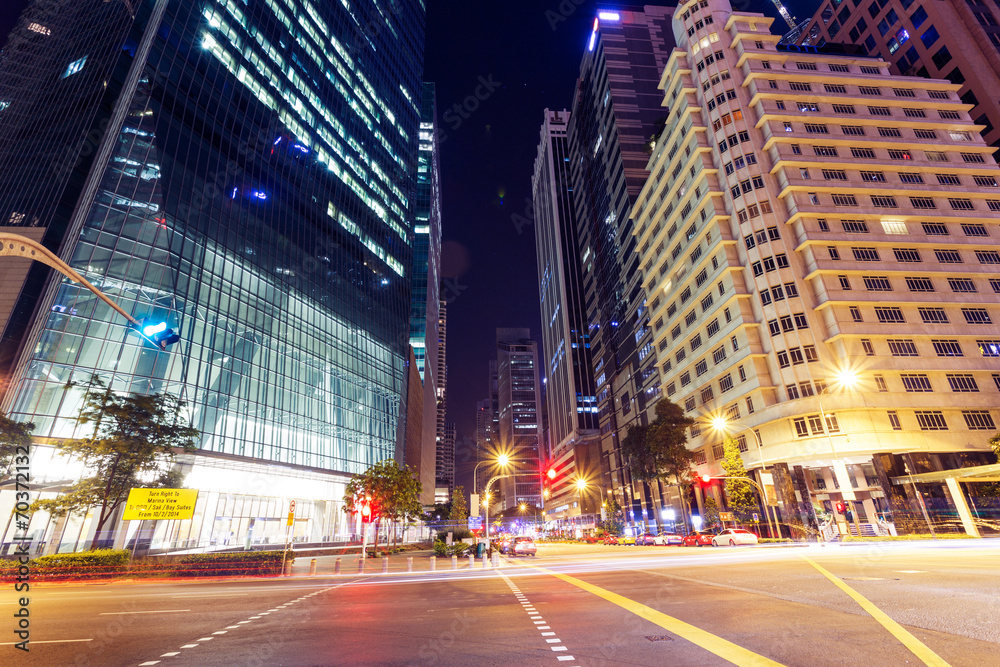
[497,65]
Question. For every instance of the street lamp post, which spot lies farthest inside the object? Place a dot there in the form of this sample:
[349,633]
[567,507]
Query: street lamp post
[720,423]
[486,504]
[846,379]
[501,461]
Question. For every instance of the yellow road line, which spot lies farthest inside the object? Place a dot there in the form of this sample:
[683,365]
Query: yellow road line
[706,640]
[917,647]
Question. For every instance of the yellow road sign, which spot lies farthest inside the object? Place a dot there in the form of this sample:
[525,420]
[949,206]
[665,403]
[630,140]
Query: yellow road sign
[160,504]
[725,516]
[291,518]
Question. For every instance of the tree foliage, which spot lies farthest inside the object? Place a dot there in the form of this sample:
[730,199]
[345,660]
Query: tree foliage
[615,522]
[459,507]
[12,435]
[711,517]
[133,444]
[995,444]
[392,492]
[740,494]
[659,450]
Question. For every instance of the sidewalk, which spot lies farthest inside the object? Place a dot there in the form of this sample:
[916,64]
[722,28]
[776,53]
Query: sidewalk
[325,565]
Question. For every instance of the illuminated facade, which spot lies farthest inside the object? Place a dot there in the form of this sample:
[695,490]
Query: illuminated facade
[820,246]
[519,396]
[616,109]
[248,175]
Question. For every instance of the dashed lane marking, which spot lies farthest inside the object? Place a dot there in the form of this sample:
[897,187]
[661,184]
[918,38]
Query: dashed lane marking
[554,643]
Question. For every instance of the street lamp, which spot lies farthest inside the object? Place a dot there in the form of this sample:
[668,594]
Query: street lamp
[501,461]
[486,504]
[720,424]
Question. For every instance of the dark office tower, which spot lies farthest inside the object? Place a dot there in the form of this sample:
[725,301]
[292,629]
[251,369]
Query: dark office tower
[443,482]
[519,395]
[246,173]
[958,41]
[426,280]
[616,109]
[569,386]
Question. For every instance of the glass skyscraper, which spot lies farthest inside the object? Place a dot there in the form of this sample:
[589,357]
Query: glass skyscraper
[246,172]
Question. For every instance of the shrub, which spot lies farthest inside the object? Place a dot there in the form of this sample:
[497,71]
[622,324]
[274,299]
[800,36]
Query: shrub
[84,565]
[239,563]
[457,535]
[455,549]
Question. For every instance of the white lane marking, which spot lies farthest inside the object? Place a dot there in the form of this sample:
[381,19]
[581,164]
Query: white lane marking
[564,658]
[547,634]
[150,662]
[49,641]
[189,646]
[242,622]
[171,654]
[155,611]
[559,648]
[535,617]
[553,641]
[254,618]
[220,632]
[232,627]
[539,622]
[543,627]
[909,571]
[206,639]
[207,595]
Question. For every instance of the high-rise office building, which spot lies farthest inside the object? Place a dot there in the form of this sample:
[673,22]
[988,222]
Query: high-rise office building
[820,246]
[426,279]
[616,109]
[245,173]
[568,371]
[519,395]
[958,41]
[445,475]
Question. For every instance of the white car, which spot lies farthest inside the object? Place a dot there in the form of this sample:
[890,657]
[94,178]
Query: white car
[734,536]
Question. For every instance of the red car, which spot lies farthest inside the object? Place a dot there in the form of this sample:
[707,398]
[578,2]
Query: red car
[610,539]
[590,539]
[698,539]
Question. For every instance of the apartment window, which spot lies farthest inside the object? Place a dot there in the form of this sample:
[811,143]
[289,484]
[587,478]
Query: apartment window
[799,85]
[894,227]
[856,314]
[961,204]
[816,128]
[988,256]
[713,327]
[948,179]
[863,153]
[973,157]
[735,343]
[978,420]
[976,316]
[935,229]
[962,383]
[743,373]
[815,424]
[883,201]
[995,284]
[801,431]
[914,113]
[933,315]
[707,394]
[907,177]
[866,254]
[890,132]
[834,67]
[872,176]
[919,284]
[877,284]
[948,256]
[963,285]
[806,65]
[898,154]
[931,420]
[903,92]
[889,314]
[894,418]
[916,383]
[792,391]
[924,134]
[947,348]
[923,203]
[985,181]
[835,174]
[825,151]
[879,111]
[796,149]
[951,115]
[880,383]
[791,290]
[989,348]
[806,389]
[870,90]
[725,383]
[842,200]
[845,283]
[671,389]
[821,223]
[810,353]
[908,255]
[902,347]
[786,323]
[974,229]
[841,108]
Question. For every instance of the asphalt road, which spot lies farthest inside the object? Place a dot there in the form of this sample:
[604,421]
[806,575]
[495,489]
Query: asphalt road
[870,604]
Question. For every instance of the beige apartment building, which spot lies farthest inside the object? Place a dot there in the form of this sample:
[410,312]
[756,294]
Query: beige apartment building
[820,249]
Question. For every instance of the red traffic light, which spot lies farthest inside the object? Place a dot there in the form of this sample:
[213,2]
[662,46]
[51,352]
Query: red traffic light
[551,474]
[841,507]
[706,478]
[366,510]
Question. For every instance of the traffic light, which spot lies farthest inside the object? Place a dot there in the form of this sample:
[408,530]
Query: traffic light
[551,474]
[841,507]
[158,333]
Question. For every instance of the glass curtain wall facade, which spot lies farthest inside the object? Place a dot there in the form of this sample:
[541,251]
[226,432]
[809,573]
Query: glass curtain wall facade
[520,417]
[616,109]
[253,185]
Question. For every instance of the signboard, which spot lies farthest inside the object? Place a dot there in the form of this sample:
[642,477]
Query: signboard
[291,518]
[725,516]
[767,481]
[473,505]
[160,504]
[475,522]
[844,480]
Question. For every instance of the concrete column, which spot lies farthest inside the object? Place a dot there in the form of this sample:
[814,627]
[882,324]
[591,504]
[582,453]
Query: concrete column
[957,497]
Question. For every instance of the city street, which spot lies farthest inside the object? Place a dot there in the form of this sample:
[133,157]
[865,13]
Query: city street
[859,604]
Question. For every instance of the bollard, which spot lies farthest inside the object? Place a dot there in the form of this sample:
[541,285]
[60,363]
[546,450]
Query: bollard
[484,561]
[433,563]
[288,568]
[409,564]
[496,559]
[361,566]
[336,566]
[312,568]
[454,562]
[472,561]
[385,564]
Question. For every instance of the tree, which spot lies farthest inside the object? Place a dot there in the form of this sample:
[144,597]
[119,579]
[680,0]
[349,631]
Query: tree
[995,444]
[615,521]
[659,450]
[740,494]
[12,435]
[393,493]
[133,444]
[711,517]
[459,507]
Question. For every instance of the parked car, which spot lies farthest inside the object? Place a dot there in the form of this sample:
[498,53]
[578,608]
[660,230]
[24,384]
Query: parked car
[698,539]
[646,540]
[523,546]
[626,540]
[503,544]
[668,539]
[734,536]
[611,539]
[590,539]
